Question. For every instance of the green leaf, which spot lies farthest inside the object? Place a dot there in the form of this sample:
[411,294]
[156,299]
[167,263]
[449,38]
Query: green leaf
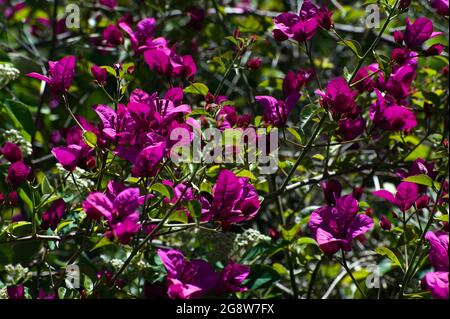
[279,268]
[443,218]
[46,187]
[198,112]
[291,233]
[63,224]
[20,114]
[197,88]
[246,173]
[385,251]
[306,241]
[421,179]
[162,189]
[24,196]
[90,138]
[194,208]
[102,243]
[307,114]
[261,276]
[110,70]
[353,45]
[16,226]
[178,216]
[252,254]
[294,133]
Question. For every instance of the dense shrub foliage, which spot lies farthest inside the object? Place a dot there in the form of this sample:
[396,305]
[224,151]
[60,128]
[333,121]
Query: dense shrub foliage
[96,201]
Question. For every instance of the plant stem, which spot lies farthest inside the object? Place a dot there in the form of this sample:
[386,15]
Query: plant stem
[150,235]
[66,104]
[411,268]
[344,264]
[374,44]
[303,154]
[313,278]
[311,62]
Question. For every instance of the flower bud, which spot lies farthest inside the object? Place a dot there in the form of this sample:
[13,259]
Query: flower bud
[404,4]
[331,190]
[385,223]
[422,202]
[99,74]
[13,199]
[254,64]
[11,152]
[398,37]
[357,192]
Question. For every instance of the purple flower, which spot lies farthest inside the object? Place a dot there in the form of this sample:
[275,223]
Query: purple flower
[11,152]
[253,64]
[60,75]
[324,16]
[147,160]
[99,74]
[303,26]
[119,127]
[385,223]
[305,29]
[111,4]
[145,29]
[391,117]
[435,49]
[339,99]
[120,212]
[438,249]
[41,27]
[364,78]
[231,278]
[276,111]
[422,201]
[283,26]
[407,193]
[399,82]
[335,227]
[294,81]
[419,166]
[112,35]
[144,32]
[350,129]
[160,58]
[44,295]
[227,117]
[68,156]
[187,278]
[52,216]
[18,172]
[441,6]
[196,17]
[437,283]
[418,32]
[234,199]
[15,292]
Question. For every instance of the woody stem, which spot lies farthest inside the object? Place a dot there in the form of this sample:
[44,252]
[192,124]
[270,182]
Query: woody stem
[349,272]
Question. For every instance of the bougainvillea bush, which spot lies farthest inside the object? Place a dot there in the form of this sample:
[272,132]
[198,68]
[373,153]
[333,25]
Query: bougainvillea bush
[114,184]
